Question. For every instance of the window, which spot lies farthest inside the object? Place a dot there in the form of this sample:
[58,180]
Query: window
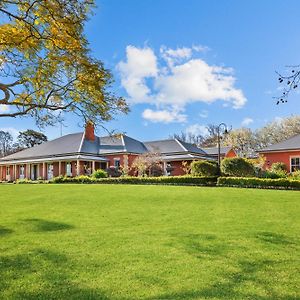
[7,171]
[117,163]
[22,172]
[69,169]
[295,164]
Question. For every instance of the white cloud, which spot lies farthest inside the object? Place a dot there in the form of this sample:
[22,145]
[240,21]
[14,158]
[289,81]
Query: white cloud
[247,121]
[140,64]
[183,80]
[13,131]
[4,108]
[197,129]
[164,116]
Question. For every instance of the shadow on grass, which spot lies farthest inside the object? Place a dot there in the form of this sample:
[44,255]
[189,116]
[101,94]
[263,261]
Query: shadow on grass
[275,238]
[41,225]
[230,284]
[202,245]
[49,274]
[5,231]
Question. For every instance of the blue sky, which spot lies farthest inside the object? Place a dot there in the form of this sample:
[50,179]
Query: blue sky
[185,64]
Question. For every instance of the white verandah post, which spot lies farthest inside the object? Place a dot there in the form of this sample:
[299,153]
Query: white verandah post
[78,168]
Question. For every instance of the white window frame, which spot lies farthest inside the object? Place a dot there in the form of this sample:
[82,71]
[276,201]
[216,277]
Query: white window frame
[22,171]
[293,165]
[8,171]
[69,171]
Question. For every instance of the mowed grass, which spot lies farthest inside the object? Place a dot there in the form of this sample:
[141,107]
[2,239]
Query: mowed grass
[148,242]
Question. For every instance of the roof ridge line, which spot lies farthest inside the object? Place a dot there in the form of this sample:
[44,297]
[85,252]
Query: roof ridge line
[180,144]
[81,143]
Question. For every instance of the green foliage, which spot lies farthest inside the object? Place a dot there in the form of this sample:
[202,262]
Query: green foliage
[296,175]
[278,167]
[205,168]
[31,138]
[273,175]
[100,174]
[237,166]
[280,183]
[169,180]
[47,66]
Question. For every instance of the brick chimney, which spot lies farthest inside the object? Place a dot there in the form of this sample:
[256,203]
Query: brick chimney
[90,131]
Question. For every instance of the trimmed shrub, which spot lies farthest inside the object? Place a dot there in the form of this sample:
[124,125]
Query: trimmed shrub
[99,174]
[273,175]
[295,175]
[238,167]
[205,168]
[253,182]
[278,167]
[165,180]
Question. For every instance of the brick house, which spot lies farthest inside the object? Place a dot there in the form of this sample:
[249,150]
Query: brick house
[82,153]
[287,152]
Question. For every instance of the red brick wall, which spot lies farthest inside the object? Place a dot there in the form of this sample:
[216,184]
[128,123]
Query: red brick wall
[177,171]
[131,158]
[283,157]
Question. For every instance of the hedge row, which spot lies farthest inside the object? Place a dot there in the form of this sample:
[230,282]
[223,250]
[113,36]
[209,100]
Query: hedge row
[169,180]
[253,182]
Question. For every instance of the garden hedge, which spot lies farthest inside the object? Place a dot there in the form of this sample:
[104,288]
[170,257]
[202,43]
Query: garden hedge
[254,182]
[168,180]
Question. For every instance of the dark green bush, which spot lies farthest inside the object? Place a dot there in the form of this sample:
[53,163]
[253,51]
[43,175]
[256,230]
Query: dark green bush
[100,174]
[273,174]
[205,168]
[168,180]
[280,183]
[238,167]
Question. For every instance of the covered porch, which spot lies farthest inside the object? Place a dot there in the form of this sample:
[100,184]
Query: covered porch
[48,168]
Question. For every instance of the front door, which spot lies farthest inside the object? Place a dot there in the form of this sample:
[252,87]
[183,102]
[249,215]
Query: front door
[8,173]
[34,174]
[50,171]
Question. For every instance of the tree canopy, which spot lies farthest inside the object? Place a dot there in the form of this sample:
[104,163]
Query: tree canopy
[46,66]
[31,138]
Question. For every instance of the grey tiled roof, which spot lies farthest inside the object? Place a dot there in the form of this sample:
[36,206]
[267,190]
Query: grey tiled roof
[214,150]
[67,144]
[120,143]
[292,143]
[172,146]
[164,146]
[76,144]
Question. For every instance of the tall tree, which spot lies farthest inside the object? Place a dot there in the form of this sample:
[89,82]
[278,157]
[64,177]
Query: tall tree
[46,66]
[211,139]
[31,138]
[188,137]
[6,140]
[277,131]
[242,140]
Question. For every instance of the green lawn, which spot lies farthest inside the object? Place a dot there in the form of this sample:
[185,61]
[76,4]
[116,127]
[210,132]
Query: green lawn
[148,242]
